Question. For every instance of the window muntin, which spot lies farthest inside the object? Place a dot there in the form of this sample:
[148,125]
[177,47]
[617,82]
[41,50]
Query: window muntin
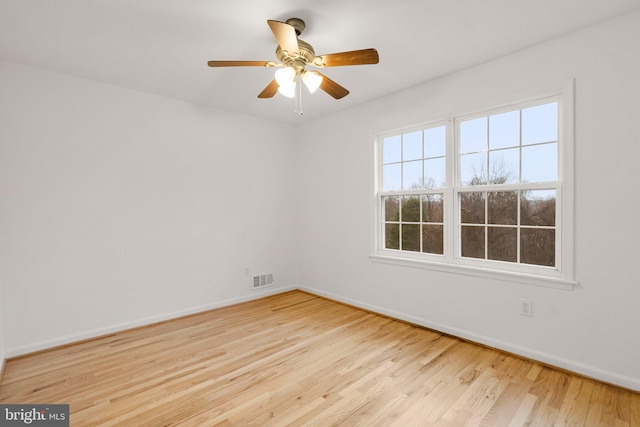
[515,226]
[499,204]
[414,160]
[414,223]
[509,147]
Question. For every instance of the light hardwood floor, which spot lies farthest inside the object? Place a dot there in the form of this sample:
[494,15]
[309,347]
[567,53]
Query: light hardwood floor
[298,359]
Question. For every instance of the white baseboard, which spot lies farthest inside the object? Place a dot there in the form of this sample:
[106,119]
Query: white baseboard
[69,339]
[548,359]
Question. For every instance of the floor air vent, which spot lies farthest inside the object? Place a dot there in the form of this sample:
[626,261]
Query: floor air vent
[262,280]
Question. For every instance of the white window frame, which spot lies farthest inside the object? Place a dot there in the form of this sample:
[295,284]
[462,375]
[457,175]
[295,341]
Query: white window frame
[562,276]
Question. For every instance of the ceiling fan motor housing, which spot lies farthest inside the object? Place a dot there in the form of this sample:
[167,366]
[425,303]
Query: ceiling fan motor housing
[305,55]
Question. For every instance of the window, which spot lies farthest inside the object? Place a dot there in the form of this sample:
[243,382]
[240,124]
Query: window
[414,166]
[489,193]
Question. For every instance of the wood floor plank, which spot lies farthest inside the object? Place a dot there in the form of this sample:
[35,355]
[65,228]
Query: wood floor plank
[298,359]
[522,415]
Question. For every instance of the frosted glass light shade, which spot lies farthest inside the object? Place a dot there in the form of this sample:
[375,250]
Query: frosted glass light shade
[286,79]
[288,89]
[312,80]
[285,75]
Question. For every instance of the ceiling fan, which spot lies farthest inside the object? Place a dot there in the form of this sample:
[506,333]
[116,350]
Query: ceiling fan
[294,55]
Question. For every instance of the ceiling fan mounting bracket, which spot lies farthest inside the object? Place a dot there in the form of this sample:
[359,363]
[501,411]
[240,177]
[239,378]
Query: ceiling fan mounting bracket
[297,23]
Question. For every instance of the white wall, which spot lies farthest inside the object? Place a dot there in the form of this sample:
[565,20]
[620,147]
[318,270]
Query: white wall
[591,329]
[118,208]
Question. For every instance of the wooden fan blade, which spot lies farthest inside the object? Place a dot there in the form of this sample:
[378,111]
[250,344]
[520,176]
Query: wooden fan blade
[332,88]
[270,90]
[285,35]
[239,63]
[354,57]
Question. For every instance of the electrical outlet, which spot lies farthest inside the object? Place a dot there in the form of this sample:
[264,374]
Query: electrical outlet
[247,271]
[525,307]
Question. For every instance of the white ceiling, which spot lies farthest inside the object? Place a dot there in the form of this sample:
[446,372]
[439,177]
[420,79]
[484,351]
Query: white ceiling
[162,46]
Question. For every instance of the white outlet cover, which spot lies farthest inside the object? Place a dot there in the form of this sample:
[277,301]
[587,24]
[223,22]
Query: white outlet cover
[526,307]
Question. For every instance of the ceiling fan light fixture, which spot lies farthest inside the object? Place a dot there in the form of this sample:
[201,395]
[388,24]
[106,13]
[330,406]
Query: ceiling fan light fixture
[312,80]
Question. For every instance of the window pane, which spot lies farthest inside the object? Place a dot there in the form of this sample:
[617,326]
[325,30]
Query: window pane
[392,236]
[504,130]
[540,163]
[502,243]
[540,124]
[434,142]
[472,242]
[538,208]
[435,172]
[391,151]
[411,237]
[412,146]
[502,207]
[432,239]
[504,166]
[432,208]
[538,246]
[392,209]
[411,209]
[473,135]
[472,208]
[391,178]
[473,169]
[412,175]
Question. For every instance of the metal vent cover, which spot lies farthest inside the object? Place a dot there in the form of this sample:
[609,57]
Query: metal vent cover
[262,280]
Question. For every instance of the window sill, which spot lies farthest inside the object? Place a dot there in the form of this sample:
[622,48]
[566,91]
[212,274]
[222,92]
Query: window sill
[527,279]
